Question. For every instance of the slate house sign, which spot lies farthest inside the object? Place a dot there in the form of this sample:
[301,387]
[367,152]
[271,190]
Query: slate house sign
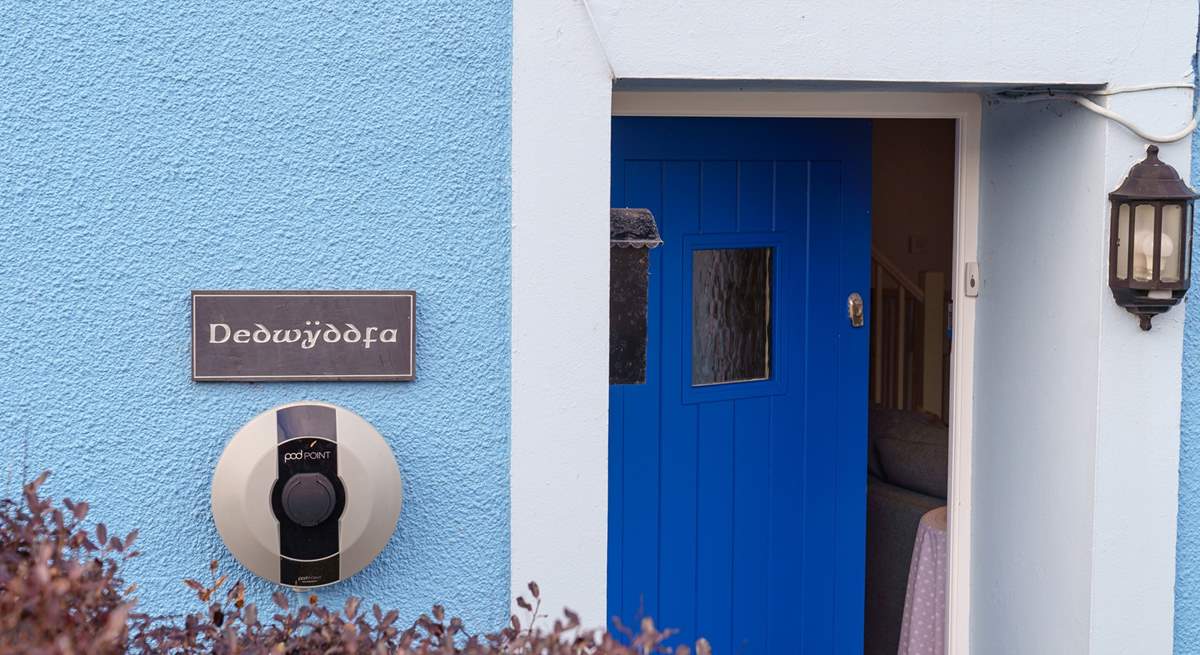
[247,336]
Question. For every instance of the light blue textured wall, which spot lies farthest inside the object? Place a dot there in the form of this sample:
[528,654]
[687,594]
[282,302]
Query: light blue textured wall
[1187,559]
[147,150]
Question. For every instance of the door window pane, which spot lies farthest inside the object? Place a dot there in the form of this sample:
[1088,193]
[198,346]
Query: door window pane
[731,315]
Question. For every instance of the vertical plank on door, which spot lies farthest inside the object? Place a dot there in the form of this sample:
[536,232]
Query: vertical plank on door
[714,553]
[640,476]
[787,449]
[751,524]
[678,457]
[718,196]
[820,502]
[853,207]
[756,196]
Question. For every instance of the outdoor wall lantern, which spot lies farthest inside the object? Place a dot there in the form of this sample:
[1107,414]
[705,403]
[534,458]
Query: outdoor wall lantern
[1150,248]
[632,233]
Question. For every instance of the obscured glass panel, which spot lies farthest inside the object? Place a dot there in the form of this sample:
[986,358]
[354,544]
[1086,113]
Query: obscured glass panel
[1172,244]
[731,315]
[1123,242]
[1186,252]
[1143,243]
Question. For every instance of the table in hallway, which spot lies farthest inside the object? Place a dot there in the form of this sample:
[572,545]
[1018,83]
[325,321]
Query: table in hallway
[923,629]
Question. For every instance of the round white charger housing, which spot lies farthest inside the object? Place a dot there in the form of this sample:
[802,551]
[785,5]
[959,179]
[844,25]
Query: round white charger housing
[306,494]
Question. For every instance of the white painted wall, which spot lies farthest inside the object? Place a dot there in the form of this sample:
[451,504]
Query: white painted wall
[560,153]
[1076,424]
[1137,441]
[1077,41]
[1077,410]
[1037,340]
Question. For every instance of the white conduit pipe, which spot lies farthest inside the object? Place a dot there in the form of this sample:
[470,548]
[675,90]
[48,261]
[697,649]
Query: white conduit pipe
[1111,115]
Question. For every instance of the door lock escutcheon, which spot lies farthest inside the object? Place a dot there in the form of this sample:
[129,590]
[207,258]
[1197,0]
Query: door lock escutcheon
[854,309]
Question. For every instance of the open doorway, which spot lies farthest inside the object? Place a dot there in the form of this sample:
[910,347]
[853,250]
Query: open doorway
[912,255]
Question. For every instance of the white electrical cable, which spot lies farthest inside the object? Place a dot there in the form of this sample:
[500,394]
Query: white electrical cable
[1117,118]
[612,72]
[1117,90]
[1111,115]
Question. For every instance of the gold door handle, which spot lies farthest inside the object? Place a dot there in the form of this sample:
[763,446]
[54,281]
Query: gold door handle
[854,309]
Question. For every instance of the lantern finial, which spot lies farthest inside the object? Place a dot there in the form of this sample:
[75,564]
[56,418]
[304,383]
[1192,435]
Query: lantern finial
[1152,179]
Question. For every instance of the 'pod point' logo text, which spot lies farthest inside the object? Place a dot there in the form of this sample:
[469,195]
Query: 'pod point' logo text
[306,454]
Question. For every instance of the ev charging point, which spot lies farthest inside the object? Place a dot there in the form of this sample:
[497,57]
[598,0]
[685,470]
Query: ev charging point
[306,494]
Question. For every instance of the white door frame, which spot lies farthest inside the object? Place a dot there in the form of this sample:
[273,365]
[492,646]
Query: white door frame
[965,110]
[561,146]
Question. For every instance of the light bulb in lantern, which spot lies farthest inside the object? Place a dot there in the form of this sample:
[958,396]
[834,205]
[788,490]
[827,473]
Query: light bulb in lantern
[1143,249]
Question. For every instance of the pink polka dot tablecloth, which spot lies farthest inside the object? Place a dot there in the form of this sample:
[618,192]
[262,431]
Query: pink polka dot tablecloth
[923,629]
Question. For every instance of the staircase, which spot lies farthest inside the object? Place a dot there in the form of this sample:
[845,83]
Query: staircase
[910,345]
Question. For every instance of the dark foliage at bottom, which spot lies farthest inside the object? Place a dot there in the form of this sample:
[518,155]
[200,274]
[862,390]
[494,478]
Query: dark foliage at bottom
[61,593]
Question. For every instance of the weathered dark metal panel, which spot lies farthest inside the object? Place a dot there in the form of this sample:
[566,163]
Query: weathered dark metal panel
[632,228]
[632,233]
[629,275]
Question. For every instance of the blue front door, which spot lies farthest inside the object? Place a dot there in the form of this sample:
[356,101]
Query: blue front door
[737,473]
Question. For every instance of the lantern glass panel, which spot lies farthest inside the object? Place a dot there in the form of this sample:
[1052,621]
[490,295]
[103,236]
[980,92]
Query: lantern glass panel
[1171,247]
[1143,243]
[1123,242]
[1186,253]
